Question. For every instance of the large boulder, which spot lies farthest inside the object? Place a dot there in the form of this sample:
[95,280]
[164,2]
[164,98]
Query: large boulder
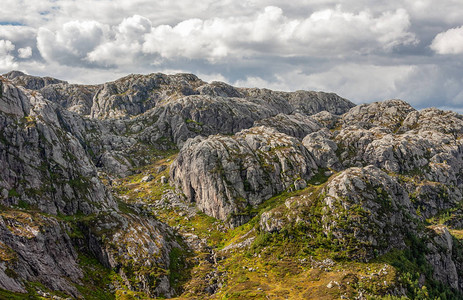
[226,175]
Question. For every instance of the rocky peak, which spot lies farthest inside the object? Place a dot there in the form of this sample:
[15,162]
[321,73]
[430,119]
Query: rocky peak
[224,175]
[85,168]
[30,82]
[388,114]
[135,94]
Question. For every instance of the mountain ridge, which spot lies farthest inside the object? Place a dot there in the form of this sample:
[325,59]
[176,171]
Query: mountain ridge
[151,179]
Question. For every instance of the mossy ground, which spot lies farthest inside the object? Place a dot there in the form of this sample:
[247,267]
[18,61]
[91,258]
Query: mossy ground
[243,262]
[268,265]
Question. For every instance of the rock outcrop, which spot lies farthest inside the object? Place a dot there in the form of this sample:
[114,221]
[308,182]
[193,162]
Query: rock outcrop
[366,181]
[50,190]
[226,175]
[44,165]
[368,206]
[31,82]
[36,248]
[137,247]
[135,94]
[397,167]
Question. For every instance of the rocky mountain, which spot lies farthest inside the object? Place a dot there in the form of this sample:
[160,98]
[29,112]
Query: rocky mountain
[168,186]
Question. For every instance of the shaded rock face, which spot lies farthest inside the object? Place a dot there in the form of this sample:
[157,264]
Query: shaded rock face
[205,115]
[224,175]
[47,170]
[138,249]
[443,256]
[36,248]
[44,166]
[72,97]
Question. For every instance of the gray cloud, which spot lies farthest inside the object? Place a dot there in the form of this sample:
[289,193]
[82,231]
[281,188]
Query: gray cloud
[362,50]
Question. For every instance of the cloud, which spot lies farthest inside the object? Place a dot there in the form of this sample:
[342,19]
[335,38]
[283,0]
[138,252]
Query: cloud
[323,33]
[348,80]
[449,42]
[25,52]
[134,28]
[124,48]
[7,60]
[362,50]
[422,86]
[71,44]
[268,32]
[17,33]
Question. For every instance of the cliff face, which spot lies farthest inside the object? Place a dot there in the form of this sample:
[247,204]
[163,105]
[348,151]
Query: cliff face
[54,204]
[226,175]
[146,178]
[44,165]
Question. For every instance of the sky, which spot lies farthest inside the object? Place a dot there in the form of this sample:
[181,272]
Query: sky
[362,50]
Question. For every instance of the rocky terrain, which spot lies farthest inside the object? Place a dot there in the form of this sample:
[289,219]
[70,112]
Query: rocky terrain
[168,186]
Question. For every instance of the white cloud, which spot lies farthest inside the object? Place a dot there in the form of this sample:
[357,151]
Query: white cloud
[361,49]
[125,46]
[71,44]
[6,47]
[268,32]
[326,32]
[449,42]
[134,28]
[25,52]
[17,33]
[7,61]
[337,31]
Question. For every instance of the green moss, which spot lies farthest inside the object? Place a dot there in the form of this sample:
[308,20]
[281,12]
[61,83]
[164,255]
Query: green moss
[80,183]
[178,268]
[10,273]
[319,177]
[411,263]
[189,121]
[13,193]
[96,279]
[4,294]
[23,204]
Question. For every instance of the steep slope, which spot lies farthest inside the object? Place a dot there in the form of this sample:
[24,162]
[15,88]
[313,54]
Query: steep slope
[392,173]
[165,185]
[56,210]
[132,118]
[44,165]
[225,176]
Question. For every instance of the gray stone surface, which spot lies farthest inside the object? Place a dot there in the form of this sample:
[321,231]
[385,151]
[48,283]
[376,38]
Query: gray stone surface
[223,175]
[387,167]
